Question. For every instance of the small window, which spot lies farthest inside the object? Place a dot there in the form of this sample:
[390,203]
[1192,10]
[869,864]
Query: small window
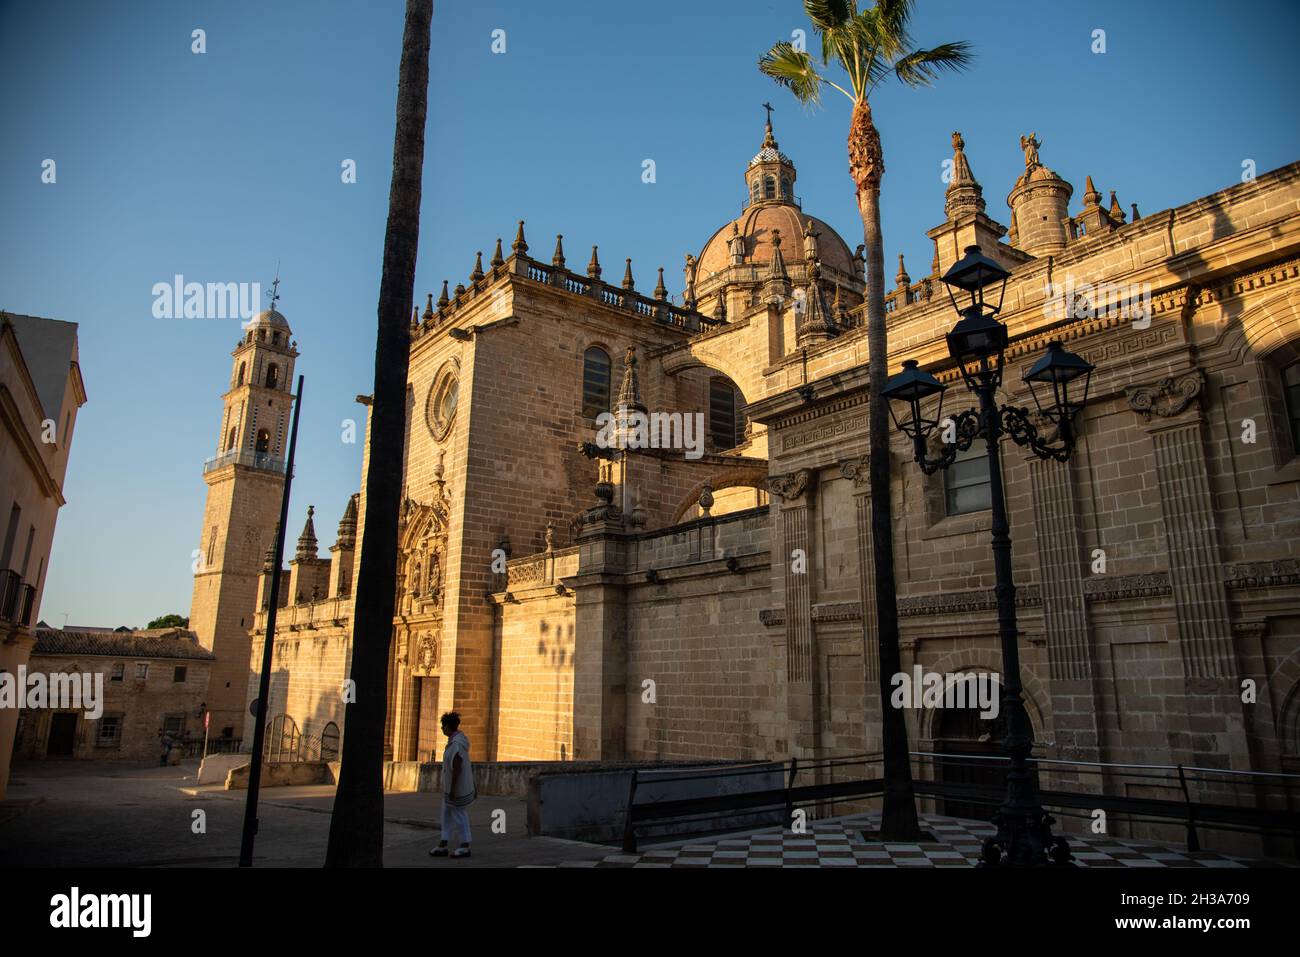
[175,723]
[966,482]
[1291,388]
[141,670]
[119,672]
[263,441]
[230,443]
[756,193]
[109,734]
[240,379]
[726,425]
[785,188]
[595,382]
[178,675]
[769,187]
[272,376]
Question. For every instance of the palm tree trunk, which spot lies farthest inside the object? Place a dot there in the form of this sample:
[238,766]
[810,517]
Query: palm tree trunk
[898,820]
[357,824]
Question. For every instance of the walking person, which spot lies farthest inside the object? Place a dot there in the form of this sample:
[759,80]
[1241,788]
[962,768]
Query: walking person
[457,790]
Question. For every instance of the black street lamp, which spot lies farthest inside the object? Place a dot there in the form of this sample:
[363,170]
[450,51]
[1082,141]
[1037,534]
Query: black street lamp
[978,343]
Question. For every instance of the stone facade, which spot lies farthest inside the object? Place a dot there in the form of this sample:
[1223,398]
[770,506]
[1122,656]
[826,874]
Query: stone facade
[1157,569]
[41,391]
[154,680]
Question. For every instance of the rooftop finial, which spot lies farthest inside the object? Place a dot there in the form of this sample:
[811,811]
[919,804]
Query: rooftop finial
[661,291]
[1090,195]
[628,284]
[428,307]
[477,272]
[275,287]
[497,259]
[1116,211]
[558,259]
[444,300]
[778,270]
[519,247]
[593,267]
[902,278]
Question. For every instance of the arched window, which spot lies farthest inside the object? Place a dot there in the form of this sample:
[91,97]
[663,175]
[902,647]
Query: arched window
[769,187]
[785,188]
[595,382]
[329,742]
[1291,389]
[726,424]
[275,338]
[966,482]
[239,379]
[272,376]
[756,192]
[263,440]
[230,444]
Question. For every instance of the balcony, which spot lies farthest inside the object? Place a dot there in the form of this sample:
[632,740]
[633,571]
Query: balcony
[16,598]
[253,460]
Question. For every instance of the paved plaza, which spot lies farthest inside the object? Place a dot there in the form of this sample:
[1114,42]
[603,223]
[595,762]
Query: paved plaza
[65,814]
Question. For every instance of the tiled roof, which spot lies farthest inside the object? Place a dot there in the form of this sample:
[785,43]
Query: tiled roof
[176,643]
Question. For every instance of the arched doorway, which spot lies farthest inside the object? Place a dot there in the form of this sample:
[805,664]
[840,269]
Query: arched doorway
[970,742]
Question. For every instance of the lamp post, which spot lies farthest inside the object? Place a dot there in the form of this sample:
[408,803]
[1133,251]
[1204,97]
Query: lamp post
[978,343]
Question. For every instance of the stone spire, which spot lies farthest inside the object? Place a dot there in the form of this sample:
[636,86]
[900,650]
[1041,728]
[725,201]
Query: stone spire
[557,260]
[593,267]
[347,533]
[661,291]
[964,194]
[629,394]
[720,312]
[477,273]
[1090,195]
[268,561]
[443,299]
[934,263]
[519,247]
[307,540]
[818,324]
[777,269]
[901,277]
[497,259]
[415,316]
[1116,211]
[428,307]
[628,284]
[1134,207]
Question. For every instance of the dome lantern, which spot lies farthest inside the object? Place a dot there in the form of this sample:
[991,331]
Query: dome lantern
[770,175]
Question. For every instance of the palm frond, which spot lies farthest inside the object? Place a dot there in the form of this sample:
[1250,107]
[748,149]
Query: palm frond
[794,70]
[826,15]
[920,67]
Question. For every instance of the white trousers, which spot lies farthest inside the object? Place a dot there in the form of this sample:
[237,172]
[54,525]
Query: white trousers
[455,822]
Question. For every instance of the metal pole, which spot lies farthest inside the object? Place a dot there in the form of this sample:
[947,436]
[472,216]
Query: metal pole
[1023,831]
[207,719]
[264,681]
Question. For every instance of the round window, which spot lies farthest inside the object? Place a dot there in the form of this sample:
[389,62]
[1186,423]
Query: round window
[440,407]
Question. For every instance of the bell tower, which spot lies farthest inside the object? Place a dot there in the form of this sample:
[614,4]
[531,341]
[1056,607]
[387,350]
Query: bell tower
[245,482]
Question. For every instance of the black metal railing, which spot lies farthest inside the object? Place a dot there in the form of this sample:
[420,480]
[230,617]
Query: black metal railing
[16,598]
[256,460]
[1206,798]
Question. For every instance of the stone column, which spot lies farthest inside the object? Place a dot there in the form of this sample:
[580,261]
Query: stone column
[600,678]
[1216,725]
[1072,665]
[856,470]
[802,685]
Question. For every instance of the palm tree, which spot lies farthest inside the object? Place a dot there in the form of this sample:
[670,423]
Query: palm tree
[870,46]
[357,824]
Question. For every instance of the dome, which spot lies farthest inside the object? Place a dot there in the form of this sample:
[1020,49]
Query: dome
[757,224]
[270,319]
[769,154]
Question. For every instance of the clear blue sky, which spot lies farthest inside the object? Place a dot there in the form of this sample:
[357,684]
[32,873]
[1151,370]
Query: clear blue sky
[219,165]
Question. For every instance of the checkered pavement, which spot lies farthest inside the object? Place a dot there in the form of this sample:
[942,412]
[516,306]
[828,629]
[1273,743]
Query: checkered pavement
[840,842]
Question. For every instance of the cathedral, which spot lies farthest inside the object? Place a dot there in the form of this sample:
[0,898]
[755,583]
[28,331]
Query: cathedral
[578,603]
